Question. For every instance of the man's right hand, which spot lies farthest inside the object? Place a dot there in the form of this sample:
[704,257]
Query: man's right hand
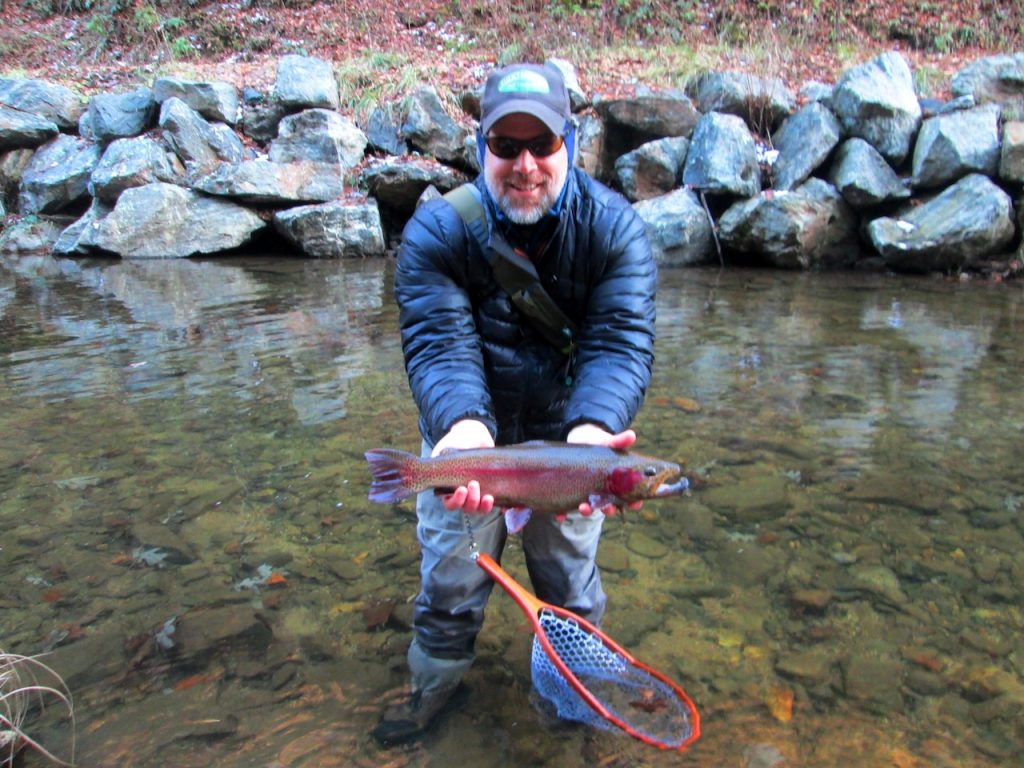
[464,434]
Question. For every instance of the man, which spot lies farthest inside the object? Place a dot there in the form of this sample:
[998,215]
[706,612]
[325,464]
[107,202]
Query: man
[482,373]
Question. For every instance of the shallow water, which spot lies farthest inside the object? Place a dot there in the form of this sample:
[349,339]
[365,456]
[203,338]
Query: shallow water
[186,530]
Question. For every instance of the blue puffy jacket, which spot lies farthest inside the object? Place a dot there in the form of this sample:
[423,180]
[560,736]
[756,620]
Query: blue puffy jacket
[470,354]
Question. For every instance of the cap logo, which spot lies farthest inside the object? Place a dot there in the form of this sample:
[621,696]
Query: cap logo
[524,81]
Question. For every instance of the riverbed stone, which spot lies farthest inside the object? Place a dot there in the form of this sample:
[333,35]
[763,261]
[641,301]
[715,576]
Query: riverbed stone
[751,500]
[812,667]
[613,556]
[203,632]
[645,545]
[873,682]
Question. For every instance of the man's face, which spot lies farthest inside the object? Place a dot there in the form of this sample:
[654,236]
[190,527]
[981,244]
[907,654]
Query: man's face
[524,187]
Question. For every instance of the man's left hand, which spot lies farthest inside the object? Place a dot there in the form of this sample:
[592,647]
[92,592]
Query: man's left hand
[591,434]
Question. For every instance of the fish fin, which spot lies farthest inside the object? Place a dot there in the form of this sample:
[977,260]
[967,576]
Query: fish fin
[391,474]
[516,518]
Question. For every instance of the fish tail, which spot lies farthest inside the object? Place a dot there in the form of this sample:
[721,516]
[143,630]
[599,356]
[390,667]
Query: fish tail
[392,474]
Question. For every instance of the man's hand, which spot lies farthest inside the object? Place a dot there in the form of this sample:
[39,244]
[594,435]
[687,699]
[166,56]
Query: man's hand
[591,434]
[464,434]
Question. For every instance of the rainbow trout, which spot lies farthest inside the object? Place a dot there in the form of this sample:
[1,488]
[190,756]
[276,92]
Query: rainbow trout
[529,477]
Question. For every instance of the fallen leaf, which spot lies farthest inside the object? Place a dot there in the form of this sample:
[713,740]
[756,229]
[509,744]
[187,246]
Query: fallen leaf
[780,703]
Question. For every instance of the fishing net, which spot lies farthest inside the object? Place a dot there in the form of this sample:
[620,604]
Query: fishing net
[634,697]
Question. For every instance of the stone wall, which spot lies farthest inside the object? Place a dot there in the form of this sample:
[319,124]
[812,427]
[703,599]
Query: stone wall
[735,169]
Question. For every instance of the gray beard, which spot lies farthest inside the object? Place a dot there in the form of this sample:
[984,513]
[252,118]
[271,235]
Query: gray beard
[523,216]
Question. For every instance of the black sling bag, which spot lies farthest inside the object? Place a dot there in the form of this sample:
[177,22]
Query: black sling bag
[515,274]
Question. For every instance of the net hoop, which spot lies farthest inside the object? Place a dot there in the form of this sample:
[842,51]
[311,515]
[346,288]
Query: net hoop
[534,607]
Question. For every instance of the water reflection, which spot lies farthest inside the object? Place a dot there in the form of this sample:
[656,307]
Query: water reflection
[182,465]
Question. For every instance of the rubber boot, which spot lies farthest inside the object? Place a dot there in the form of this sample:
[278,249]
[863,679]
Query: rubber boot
[409,720]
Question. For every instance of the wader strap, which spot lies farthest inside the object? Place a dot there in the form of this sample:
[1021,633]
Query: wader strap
[514,273]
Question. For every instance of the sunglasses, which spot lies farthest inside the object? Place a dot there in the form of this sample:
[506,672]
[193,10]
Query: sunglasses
[509,149]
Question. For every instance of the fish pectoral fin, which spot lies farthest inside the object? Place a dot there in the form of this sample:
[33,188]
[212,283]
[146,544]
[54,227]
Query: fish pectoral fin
[516,518]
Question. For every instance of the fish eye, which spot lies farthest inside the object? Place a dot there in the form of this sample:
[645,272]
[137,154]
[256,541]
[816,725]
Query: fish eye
[650,471]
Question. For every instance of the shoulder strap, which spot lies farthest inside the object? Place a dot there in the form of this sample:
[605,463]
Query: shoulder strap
[515,274]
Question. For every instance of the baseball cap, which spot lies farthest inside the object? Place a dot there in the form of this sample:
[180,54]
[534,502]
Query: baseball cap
[530,89]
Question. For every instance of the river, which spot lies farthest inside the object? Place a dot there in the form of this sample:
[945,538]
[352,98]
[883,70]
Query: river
[186,536]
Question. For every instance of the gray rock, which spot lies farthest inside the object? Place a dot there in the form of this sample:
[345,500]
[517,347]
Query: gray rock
[810,667]
[863,177]
[20,129]
[430,129]
[577,99]
[382,131]
[648,117]
[969,220]
[260,121]
[166,221]
[647,546]
[1011,159]
[804,143]
[953,145]
[873,682]
[130,163]
[335,229]
[304,82]
[79,237]
[398,183]
[590,147]
[121,115]
[61,106]
[58,174]
[753,500]
[995,79]
[678,228]
[12,166]
[762,102]
[876,102]
[320,136]
[33,234]
[722,158]
[260,181]
[201,145]
[813,90]
[811,227]
[213,100]
[653,169]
